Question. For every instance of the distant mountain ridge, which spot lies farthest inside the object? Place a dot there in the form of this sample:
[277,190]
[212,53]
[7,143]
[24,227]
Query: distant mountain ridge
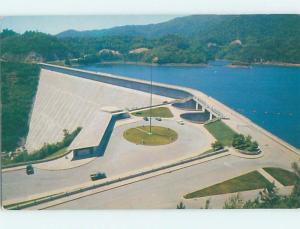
[190,39]
[178,26]
[205,27]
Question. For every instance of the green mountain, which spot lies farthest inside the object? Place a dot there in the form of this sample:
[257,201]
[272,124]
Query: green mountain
[246,38]
[218,28]
[32,47]
[190,39]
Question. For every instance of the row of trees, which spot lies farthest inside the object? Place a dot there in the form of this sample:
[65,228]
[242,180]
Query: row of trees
[244,143]
[239,142]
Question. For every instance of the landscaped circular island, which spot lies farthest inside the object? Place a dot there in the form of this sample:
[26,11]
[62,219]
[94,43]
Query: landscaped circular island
[159,135]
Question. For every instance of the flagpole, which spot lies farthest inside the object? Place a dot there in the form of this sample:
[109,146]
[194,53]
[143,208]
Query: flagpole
[154,60]
[151,98]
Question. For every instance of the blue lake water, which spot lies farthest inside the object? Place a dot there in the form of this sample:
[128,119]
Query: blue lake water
[268,95]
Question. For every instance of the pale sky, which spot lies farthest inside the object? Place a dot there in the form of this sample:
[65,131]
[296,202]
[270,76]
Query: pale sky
[123,8]
[56,24]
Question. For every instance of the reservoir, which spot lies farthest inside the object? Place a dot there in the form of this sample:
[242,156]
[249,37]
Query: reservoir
[268,95]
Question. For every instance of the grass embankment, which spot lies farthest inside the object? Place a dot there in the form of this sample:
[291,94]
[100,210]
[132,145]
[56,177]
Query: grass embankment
[162,112]
[250,181]
[221,132]
[285,177]
[160,135]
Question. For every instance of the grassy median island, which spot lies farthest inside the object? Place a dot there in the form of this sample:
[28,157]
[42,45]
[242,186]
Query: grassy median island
[162,112]
[221,132]
[285,177]
[250,181]
[159,136]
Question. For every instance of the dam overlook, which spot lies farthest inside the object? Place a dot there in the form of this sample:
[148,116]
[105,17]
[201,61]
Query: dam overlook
[183,112]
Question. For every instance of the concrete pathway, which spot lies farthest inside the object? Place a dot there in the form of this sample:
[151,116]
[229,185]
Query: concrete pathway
[270,178]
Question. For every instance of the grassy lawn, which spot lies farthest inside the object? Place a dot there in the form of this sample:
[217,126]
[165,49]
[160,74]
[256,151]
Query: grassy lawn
[249,181]
[160,135]
[162,112]
[221,132]
[285,177]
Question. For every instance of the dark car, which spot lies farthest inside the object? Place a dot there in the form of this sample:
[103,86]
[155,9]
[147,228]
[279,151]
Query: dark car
[29,170]
[146,118]
[98,176]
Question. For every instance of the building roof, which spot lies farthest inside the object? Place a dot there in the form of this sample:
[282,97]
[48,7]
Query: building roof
[91,135]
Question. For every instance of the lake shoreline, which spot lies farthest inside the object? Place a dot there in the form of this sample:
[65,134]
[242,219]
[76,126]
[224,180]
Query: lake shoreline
[230,65]
[154,64]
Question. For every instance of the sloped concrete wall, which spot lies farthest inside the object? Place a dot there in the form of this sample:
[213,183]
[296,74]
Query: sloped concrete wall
[67,102]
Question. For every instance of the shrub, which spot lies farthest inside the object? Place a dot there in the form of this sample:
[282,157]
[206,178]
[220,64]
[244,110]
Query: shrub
[244,143]
[217,145]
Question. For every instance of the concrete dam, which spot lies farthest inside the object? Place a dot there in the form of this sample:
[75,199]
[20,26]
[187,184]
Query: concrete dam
[68,98]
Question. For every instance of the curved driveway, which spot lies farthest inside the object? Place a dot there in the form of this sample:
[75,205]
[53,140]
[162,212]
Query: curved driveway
[120,157]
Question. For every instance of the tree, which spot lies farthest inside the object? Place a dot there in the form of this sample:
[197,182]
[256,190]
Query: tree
[295,196]
[68,62]
[238,141]
[207,204]
[234,202]
[180,205]
[244,143]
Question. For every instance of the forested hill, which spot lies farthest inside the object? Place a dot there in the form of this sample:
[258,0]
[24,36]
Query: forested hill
[218,28]
[191,39]
[32,46]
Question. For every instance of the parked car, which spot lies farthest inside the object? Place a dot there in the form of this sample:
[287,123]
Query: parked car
[180,122]
[29,170]
[158,119]
[146,118]
[97,176]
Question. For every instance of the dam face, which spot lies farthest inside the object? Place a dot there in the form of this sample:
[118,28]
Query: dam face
[64,101]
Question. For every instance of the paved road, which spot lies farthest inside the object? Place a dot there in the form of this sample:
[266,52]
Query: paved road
[121,156]
[166,191]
